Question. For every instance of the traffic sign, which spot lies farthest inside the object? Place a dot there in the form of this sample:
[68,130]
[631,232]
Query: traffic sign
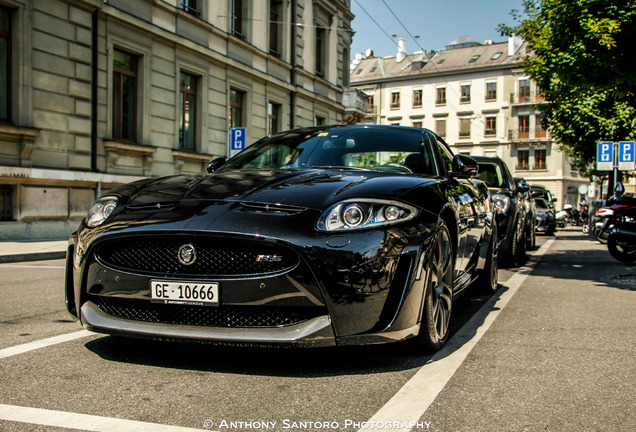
[626,156]
[237,139]
[605,156]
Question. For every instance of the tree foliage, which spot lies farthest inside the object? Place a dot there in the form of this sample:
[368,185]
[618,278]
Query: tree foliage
[582,57]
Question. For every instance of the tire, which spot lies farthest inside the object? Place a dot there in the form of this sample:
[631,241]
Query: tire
[619,252]
[517,249]
[531,239]
[438,292]
[521,252]
[487,281]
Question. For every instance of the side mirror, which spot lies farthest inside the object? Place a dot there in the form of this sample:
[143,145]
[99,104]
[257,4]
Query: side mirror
[619,189]
[523,187]
[215,164]
[464,166]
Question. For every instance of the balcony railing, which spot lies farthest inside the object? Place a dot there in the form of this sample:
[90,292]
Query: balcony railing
[356,104]
[516,134]
[526,98]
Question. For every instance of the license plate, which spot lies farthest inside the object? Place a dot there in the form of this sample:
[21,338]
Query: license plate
[186,292]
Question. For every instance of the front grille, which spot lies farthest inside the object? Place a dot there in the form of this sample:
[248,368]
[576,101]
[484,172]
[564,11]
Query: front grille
[214,257]
[222,316]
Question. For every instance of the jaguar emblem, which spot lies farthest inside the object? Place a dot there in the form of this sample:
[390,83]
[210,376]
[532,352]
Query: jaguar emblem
[187,254]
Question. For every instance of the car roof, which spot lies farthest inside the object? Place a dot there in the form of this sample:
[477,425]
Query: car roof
[488,158]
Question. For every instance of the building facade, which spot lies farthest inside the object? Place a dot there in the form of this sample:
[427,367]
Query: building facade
[478,98]
[97,93]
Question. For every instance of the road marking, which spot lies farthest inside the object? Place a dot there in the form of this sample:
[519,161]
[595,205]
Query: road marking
[410,403]
[30,346]
[82,421]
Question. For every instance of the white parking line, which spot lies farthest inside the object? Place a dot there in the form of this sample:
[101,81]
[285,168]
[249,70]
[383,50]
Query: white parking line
[83,422]
[30,346]
[410,403]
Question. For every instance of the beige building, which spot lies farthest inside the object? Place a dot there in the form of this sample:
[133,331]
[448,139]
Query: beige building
[97,93]
[478,98]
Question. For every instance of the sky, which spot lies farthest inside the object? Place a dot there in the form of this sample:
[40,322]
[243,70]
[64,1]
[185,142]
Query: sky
[436,22]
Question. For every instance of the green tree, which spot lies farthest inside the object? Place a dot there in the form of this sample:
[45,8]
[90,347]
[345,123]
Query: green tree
[581,56]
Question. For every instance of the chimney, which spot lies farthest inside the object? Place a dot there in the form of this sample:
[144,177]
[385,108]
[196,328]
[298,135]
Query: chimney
[401,53]
[514,42]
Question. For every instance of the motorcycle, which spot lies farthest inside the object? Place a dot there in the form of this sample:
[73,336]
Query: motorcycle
[621,241]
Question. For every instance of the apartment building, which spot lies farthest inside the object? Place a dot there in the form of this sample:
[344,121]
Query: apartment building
[478,98]
[96,93]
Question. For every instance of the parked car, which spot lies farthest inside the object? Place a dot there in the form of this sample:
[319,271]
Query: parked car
[531,213]
[546,221]
[508,198]
[542,192]
[317,236]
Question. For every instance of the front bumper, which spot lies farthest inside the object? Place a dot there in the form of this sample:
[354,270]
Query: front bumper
[365,288]
[313,332]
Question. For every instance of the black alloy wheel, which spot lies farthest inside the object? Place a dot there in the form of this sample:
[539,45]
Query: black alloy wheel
[438,301]
[518,248]
[531,239]
[487,281]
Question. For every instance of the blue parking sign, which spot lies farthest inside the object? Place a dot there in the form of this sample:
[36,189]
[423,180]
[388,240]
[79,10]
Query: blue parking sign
[237,139]
[626,156]
[605,156]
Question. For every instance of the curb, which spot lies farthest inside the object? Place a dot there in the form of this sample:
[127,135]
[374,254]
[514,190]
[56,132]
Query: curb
[35,256]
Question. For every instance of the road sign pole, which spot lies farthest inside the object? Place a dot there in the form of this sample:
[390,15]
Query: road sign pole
[616,150]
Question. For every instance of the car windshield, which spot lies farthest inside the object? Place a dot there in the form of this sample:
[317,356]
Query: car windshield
[402,151]
[490,173]
[541,203]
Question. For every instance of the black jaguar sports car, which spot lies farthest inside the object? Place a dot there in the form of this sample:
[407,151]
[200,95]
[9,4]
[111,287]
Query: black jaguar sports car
[313,237]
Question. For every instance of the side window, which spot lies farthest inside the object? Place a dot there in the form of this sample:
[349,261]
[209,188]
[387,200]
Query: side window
[446,157]
[508,178]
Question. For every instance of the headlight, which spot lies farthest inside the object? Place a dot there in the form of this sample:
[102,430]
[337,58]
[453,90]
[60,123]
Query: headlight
[99,212]
[364,213]
[501,202]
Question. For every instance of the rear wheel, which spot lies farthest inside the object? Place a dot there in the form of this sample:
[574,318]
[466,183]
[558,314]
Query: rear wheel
[531,238]
[438,302]
[487,281]
[621,251]
[517,249]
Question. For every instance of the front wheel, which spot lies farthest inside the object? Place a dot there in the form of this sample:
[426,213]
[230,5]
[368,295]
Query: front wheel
[438,301]
[620,251]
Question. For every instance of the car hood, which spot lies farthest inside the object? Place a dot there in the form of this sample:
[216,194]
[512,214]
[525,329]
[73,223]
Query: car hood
[310,188]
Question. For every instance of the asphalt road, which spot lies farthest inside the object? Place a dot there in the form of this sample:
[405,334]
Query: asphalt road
[552,350]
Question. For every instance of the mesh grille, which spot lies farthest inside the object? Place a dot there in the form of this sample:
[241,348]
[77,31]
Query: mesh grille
[156,256]
[223,316]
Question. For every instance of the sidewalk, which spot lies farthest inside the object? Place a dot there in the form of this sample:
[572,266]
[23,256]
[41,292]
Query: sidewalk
[32,250]
[560,356]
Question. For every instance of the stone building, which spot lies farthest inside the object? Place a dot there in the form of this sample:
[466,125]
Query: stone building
[96,93]
[478,98]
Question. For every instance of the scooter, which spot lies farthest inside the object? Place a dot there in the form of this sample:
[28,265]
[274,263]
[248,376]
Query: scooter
[601,224]
[561,218]
[621,242]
